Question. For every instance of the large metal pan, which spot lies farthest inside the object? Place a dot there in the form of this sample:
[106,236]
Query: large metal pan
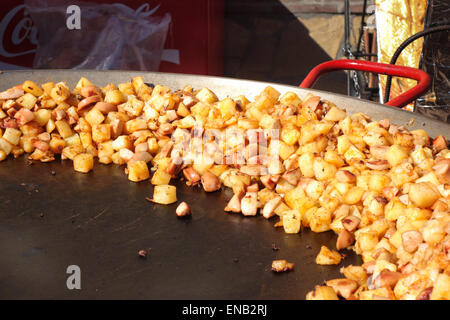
[99,221]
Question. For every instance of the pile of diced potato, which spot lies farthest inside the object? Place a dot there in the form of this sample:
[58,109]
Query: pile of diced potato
[383,189]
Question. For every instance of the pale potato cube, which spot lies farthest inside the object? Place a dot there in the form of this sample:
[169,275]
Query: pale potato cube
[328,257]
[164,194]
[138,171]
[83,162]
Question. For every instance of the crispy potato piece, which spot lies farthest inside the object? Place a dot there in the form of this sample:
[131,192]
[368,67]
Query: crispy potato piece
[83,162]
[164,194]
[328,257]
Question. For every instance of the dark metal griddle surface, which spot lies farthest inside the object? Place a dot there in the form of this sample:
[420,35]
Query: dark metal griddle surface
[99,221]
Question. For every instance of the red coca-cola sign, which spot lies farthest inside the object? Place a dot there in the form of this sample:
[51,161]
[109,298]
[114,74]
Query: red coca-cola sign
[18,36]
[194,42]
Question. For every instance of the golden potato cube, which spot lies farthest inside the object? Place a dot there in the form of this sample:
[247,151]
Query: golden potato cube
[57,144]
[138,171]
[83,82]
[366,241]
[290,99]
[322,293]
[115,97]
[63,128]
[50,126]
[294,196]
[200,109]
[42,116]
[122,142]
[333,157]
[12,136]
[206,95]
[323,170]
[353,153]
[60,92]
[27,101]
[126,88]
[343,144]
[227,108]
[101,133]
[290,135]
[47,87]
[292,221]
[33,88]
[356,273]
[377,182]
[272,94]
[94,116]
[328,257]
[135,125]
[73,140]
[423,194]
[242,100]
[320,220]
[261,103]
[441,289]
[396,154]
[105,149]
[86,139]
[137,82]
[335,114]
[354,195]
[306,164]
[71,151]
[83,162]
[160,177]
[164,194]
[26,143]
[5,146]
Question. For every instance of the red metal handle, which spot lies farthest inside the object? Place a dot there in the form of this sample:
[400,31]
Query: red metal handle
[387,69]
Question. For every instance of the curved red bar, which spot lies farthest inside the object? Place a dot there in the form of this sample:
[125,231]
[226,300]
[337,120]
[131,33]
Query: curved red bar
[422,77]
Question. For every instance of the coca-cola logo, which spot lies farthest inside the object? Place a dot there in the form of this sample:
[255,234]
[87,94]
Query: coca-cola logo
[18,35]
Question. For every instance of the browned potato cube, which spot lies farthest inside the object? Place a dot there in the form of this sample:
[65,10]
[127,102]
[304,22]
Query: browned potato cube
[328,257]
[138,171]
[83,162]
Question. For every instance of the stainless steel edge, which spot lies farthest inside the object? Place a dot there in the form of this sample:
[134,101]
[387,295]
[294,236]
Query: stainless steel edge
[224,87]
